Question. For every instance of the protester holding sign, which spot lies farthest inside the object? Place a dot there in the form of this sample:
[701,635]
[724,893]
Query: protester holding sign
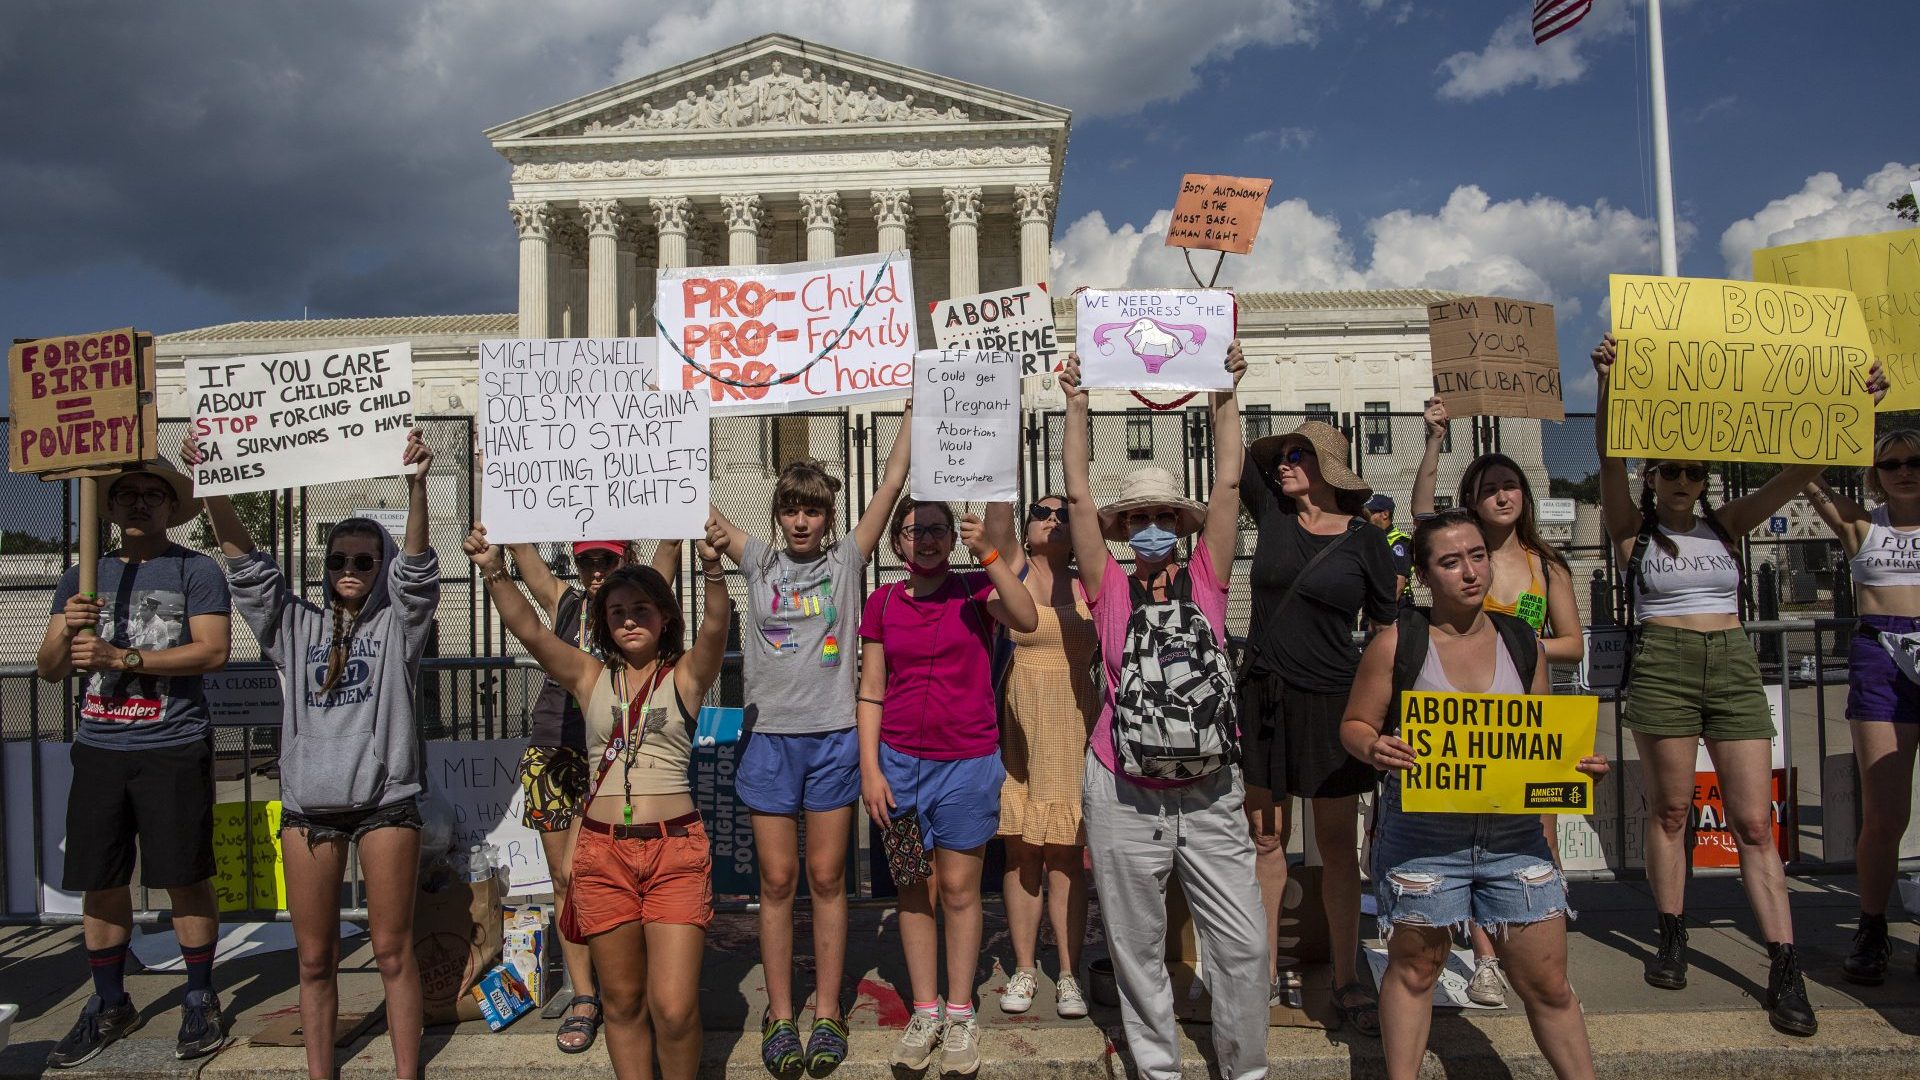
[1694,675]
[1048,704]
[350,750]
[642,887]
[1163,749]
[553,768]
[1496,489]
[799,752]
[1317,567]
[143,754]
[1883,683]
[1434,873]
[930,769]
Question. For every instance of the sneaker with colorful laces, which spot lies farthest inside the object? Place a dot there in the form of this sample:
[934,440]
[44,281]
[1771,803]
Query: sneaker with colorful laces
[917,1043]
[1068,1002]
[1017,995]
[960,1048]
[826,1045]
[780,1049]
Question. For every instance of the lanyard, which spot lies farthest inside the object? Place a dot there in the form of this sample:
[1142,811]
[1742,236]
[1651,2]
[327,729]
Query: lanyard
[629,733]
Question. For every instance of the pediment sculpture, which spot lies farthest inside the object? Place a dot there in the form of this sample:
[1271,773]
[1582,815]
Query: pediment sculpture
[814,96]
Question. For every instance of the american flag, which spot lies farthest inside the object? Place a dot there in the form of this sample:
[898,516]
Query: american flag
[1551,18]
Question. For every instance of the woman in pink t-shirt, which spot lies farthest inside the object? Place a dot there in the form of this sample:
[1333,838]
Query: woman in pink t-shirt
[1140,830]
[930,751]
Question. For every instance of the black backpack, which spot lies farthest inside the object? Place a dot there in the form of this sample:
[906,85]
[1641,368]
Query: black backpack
[1410,654]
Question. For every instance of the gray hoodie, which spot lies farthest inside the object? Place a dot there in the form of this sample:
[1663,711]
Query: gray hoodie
[358,747]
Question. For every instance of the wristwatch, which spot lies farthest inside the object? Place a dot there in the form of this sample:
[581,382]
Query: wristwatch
[131,660]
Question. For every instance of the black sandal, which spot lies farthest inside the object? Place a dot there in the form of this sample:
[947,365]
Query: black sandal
[1364,1015]
[575,1024]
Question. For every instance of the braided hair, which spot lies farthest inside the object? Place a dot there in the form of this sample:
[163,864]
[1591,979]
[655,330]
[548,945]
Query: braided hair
[337,645]
[1650,520]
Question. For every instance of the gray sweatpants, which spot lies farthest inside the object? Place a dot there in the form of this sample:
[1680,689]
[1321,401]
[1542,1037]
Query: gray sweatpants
[1137,835]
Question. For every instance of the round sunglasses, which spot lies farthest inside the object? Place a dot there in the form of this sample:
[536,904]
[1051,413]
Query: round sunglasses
[1043,512]
[362,562]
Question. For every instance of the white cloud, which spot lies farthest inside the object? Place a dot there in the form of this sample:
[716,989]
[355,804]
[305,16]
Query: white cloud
[1511,59]
[1822,209]
[1283,138]
[1538,248]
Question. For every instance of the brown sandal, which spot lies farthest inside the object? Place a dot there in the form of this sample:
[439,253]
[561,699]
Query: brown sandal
[1364,1014]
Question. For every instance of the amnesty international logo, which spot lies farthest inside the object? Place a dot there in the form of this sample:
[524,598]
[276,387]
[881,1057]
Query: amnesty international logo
[1556,797]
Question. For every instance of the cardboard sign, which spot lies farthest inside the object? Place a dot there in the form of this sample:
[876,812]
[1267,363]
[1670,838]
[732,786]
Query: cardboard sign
[241,884]
[1218,213]
[77,401]
[1883,270]
[966,426]
[479,782]
[849,324]
[577,448]
[290,420]
[1495,357]
[1017,321]
[1497,753]
[1717,370]
[1154,339]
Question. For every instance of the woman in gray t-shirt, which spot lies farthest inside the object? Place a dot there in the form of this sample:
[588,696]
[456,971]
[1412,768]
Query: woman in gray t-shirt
[798,752]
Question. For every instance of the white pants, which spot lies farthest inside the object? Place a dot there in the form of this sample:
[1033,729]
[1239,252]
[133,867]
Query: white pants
[1137,836]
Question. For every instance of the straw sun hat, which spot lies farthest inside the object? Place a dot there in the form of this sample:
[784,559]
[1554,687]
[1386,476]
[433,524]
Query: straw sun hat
[1330,449]
[1150,487]
[185,506]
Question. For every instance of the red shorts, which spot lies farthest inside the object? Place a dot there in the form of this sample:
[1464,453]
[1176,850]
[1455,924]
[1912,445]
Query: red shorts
[664,880]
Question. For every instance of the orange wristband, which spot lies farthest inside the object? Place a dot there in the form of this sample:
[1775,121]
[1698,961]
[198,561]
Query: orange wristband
[988,559]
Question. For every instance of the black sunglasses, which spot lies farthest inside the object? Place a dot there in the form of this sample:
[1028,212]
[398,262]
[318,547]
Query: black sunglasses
[1896,464]
[597,561]
[362,562]
[1043,512]
[1695,473]
[1294,455]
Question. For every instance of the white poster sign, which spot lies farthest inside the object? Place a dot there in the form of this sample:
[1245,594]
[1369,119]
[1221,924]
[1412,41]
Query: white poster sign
[56,777]
[576,447]
[479,782]
[392,519]
[1154,339]
[966,426]
[837,330]
[290,420]
[244,695]
[1017,320]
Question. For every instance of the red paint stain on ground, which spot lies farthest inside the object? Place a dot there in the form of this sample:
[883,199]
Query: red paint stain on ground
[1023,1047]
[890,1010]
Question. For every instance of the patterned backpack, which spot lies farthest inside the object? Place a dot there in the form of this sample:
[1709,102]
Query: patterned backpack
[1174,712]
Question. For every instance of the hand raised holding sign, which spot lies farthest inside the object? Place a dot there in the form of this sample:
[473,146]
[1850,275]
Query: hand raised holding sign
[1070,379]
[417,454]
[1595,765]
[973,534]
[487,558]
[1236,362]
[1437,421]
[1391,752]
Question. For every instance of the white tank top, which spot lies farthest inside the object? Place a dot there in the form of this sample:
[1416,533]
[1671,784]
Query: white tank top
[1701,578]
[1888,556]
[1506,677]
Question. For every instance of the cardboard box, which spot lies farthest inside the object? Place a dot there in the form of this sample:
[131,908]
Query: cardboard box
[524,945]
[502,997]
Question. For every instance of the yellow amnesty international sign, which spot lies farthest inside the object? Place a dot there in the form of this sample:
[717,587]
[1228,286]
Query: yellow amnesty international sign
[1883,270]
[1716,370]
[1497,753]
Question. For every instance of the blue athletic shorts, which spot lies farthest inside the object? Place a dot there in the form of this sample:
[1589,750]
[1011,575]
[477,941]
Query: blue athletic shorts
[958,801]
[785,774]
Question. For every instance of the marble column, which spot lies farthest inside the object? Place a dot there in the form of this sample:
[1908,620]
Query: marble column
[1034,205]
[821,211]
[963,239]
[627,259]
[602,217]
[646,247]
[534,222]
[892,213]
[560,283]
[670,217]
[744,215]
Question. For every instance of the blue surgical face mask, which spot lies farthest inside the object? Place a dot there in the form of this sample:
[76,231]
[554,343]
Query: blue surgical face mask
[1152,543]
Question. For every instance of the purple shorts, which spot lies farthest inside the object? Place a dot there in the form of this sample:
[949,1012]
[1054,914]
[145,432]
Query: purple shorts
[1876,689]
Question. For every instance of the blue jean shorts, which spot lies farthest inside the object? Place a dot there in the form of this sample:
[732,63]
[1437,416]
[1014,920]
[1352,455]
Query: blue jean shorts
[1444,870]
[785,774]
[958,801]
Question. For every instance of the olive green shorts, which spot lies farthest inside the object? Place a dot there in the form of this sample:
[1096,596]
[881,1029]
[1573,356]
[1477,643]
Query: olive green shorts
[1695,683]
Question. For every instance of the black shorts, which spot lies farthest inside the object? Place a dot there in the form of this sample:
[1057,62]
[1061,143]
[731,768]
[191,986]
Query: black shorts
[1290,742]
[351,825]
[163,797]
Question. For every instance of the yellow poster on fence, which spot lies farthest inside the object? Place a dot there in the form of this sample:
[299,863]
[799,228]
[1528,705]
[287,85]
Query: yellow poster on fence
[1883,270]
[1497,753]
[1718,370]
[240,886]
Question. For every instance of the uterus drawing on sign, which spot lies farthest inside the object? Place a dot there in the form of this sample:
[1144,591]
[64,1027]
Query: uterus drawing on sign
[1152,342]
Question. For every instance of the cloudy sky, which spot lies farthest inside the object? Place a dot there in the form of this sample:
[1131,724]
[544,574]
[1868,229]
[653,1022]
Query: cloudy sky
[173,165]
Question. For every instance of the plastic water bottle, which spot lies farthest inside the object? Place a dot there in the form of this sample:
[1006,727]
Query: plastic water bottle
[479,866]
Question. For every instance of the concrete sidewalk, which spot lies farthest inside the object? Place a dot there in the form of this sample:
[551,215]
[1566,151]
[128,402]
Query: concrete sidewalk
[1715,1028]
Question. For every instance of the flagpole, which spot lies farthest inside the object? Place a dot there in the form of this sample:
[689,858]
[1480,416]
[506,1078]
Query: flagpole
[1662,154]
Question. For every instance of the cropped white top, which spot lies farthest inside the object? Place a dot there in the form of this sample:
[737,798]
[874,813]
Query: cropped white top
[1888,556]
[1700,578]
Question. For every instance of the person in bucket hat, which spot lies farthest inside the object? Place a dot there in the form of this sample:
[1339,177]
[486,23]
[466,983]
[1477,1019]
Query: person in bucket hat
[1317,567]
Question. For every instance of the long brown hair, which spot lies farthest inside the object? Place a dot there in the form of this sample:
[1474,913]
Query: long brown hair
[673,625]
[1523,526]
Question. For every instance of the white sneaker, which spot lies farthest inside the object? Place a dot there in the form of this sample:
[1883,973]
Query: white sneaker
[1486,987]
[1017,995]
[917,1043]
[1068,1002]
[960,1048]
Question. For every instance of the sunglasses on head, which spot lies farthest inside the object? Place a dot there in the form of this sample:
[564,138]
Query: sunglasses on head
[1695,473]
[1043,512]
[363,562]
[1896,464]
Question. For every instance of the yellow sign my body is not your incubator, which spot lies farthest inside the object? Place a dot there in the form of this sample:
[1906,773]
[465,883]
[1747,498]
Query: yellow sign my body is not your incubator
[1497,753]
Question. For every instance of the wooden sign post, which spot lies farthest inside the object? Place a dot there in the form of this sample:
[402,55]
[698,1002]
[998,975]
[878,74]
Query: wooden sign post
[82,408]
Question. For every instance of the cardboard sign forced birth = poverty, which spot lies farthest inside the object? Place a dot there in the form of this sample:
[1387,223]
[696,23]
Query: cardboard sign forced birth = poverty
[77,401]
[1495,357]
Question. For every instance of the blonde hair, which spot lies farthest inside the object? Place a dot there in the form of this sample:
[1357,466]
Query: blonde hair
[1881,445]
